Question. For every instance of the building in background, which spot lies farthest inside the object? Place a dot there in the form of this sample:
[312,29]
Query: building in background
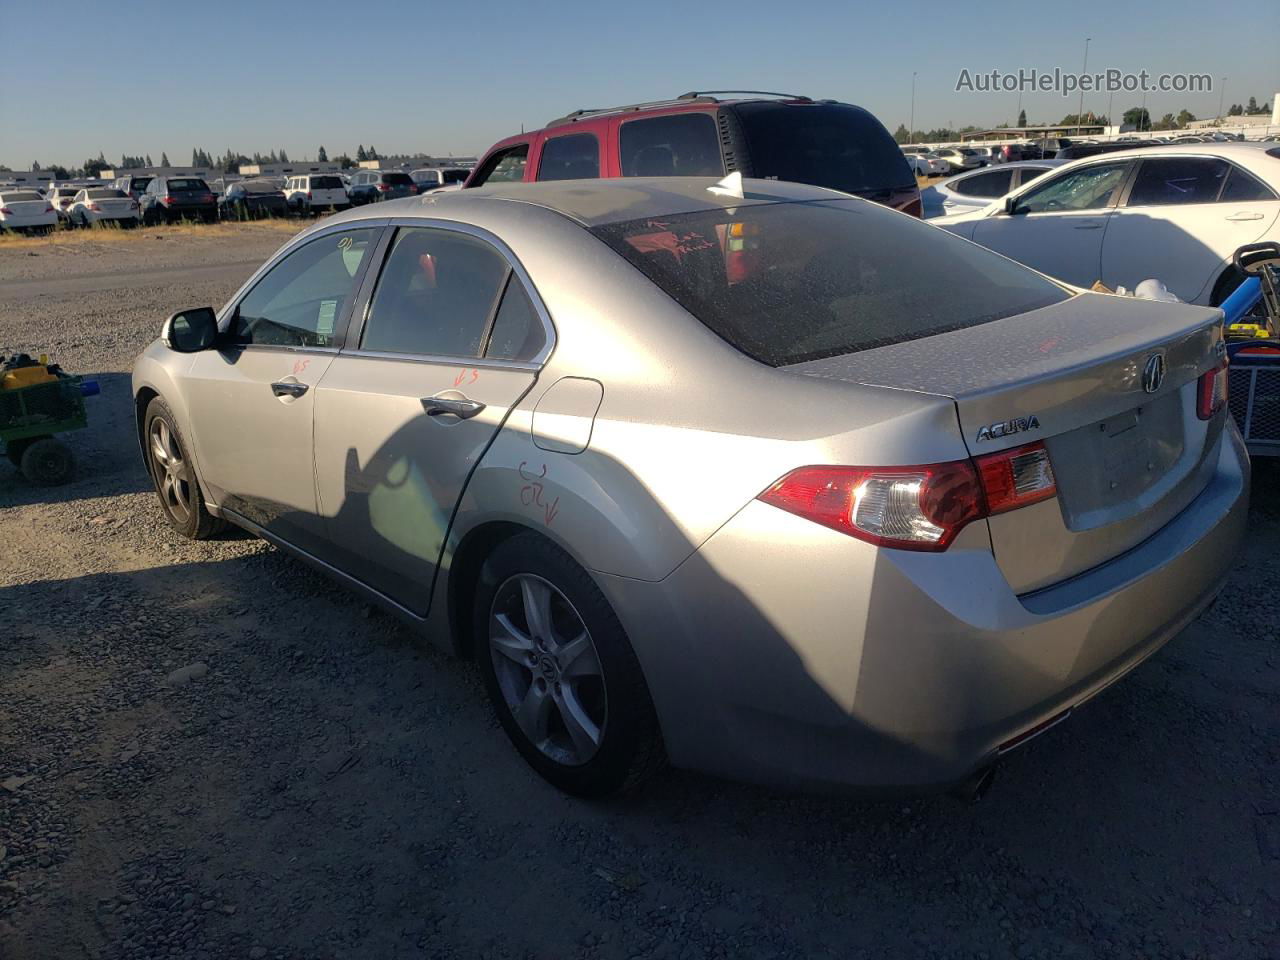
[417,162]
[290,169]
[204,173]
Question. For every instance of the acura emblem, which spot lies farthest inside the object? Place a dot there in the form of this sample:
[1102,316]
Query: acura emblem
[1153,373]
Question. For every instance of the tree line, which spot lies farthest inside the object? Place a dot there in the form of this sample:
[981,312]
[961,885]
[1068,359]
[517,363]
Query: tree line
[228,162]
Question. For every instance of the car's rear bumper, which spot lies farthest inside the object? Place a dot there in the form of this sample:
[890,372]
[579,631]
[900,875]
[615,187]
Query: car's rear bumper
[787,653]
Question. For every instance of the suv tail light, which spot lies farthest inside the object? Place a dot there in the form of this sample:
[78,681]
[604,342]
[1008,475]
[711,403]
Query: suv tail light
[915,508]
[384,186]
[1211,391]
[95,208]
[166,199]
[308,194]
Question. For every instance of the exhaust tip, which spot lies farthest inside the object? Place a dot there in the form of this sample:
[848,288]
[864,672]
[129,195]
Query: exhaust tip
[974,787]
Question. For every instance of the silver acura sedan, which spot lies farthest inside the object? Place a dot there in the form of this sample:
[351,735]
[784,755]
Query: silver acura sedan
[770,481]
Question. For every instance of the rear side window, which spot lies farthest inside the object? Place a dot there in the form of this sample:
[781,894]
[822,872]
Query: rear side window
[837,145]
[790,282]
[1030,173]
[1244,188]
[575,157]
[436,294]
[678,145]
[517,333]
[1173,180]
[993,184]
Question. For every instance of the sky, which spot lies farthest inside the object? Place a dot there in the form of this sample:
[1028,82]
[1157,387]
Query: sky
[453,78]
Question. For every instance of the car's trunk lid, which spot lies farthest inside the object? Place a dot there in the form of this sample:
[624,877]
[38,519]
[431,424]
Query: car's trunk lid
[1072,375]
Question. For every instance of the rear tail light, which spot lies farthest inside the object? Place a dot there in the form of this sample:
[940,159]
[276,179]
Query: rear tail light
[914,207]
[95,208]
[1211,391]
[384,186]
[308,194]
[166,200]
[48,209]
[1016,478]
[915,508]
[9,213]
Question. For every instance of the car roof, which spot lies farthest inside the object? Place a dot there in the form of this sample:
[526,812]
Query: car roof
[591,202]
[1251,154]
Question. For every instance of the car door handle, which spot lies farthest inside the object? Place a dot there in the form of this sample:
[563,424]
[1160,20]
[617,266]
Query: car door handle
[1237,217]
[289,388]
[1088,225]
[453,403]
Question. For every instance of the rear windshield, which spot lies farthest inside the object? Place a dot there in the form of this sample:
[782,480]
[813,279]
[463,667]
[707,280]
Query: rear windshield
[140,183]
[191,183]
[399,179]
[257,186]
[19,196]
[456,176]
[790,282]
[326,183]
[828,145]
[105,193]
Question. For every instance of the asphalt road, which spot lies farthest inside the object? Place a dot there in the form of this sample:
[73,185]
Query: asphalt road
[206,750]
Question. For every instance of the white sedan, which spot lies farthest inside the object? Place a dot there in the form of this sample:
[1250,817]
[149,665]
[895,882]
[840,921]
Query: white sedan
[27,211]
[1175,213]
[97,205]
[976,189]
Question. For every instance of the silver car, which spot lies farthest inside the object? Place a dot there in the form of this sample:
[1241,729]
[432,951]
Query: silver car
[770,481]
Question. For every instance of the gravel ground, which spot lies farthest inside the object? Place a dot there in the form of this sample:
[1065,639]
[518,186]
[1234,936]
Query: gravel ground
[208,751]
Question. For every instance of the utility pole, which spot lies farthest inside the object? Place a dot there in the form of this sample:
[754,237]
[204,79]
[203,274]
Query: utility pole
[1083,71]
[1111,100]
[1222,93]
[912,125]
[1143,118]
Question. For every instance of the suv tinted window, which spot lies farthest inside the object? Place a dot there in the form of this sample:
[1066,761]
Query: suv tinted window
[679,145]
[398,179]
[1244,188]
[435,296]
[518,333]
[790,282]
[1169,180]
[300,300]
[993,184]
[1087,189]
[575,157]
[505,167]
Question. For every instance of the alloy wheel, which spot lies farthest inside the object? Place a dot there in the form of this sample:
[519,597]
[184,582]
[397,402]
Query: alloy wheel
[170,469]
[548,669]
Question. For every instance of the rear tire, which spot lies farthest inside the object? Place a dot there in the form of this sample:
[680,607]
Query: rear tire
[173,475]
[569,672]
[48,462]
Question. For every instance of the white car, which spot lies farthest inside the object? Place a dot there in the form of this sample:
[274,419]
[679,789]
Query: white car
[991,155]
[316,191]
[976,189]
[959,159]
[931,166]
[433,178]
[1175,213]
[26,210]
[98,205]
[61,196]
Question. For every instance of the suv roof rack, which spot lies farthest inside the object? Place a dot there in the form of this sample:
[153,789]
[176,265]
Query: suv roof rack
[694,96]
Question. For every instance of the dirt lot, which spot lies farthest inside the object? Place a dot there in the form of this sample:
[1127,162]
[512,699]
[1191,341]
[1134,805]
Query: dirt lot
[208,751]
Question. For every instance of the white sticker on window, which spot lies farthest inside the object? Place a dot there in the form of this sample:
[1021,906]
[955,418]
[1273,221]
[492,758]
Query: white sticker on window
[324,323]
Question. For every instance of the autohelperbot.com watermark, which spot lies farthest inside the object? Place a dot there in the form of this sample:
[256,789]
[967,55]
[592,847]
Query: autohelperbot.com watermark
[1065,83]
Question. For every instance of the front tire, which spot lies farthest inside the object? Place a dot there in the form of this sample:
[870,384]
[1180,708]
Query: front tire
[561,674]
[174,476]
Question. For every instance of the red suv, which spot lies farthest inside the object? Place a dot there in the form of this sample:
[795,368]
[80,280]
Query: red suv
[709,134]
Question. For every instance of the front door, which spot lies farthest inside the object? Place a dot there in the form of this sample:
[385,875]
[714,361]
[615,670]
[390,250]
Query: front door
[449,345]
[1060,223]
[251,401]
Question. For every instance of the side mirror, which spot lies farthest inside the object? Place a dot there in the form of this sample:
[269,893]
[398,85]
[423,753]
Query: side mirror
[1011,206]
[190,331]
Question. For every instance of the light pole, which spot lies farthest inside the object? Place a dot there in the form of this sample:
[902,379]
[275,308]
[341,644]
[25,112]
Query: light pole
[912,125]
[1142,117]
[1111,102]
[1083,71]
[1222,93]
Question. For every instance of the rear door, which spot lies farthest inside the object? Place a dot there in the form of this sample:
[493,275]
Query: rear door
[451,340]
[1181,220]
[250,402]
[1060,222]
